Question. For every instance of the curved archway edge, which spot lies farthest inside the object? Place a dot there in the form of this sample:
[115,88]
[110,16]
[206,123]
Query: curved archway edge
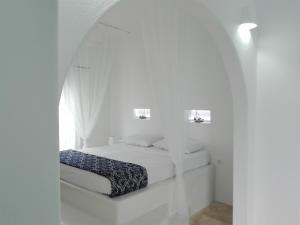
[77,22]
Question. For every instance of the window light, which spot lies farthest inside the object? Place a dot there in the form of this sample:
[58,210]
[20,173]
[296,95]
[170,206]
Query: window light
[67,131]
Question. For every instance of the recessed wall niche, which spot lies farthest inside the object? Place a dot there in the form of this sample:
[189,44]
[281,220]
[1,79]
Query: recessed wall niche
[198,116]
[142,114]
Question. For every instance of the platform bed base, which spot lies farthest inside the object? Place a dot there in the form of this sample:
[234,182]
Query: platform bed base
[121,210]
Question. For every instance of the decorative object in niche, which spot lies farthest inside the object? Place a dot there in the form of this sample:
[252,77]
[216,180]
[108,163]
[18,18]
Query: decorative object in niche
[142,114]
[198,116]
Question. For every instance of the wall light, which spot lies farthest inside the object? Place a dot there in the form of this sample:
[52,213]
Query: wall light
[248,23]
[248,26]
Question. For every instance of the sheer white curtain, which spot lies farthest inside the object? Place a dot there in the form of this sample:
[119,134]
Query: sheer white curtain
[87,82]
[67,133]
[162,38]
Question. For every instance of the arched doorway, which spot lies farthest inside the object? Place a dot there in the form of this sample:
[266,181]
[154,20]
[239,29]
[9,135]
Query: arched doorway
[231,62]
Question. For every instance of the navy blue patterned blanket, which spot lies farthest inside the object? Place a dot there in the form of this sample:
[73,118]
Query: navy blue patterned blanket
[124,177]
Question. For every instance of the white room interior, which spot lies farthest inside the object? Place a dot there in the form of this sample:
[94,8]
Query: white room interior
[263,75]
[205,85]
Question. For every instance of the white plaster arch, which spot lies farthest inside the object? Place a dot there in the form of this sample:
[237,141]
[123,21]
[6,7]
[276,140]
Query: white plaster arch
[77,17]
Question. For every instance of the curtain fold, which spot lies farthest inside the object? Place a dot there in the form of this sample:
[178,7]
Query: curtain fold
[87,82]
[67,134]
[162,36]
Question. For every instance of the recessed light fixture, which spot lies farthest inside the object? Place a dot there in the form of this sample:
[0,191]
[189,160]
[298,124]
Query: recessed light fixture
[248,23]
[248,26]
[247,20]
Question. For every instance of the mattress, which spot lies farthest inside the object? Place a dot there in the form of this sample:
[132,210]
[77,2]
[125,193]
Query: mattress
[157,162]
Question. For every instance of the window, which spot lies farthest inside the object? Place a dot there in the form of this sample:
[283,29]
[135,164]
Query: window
[142,114]
[198,116]
[67,133]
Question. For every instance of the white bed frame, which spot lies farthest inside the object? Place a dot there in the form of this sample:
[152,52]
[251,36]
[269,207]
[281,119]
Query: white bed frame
[121,210]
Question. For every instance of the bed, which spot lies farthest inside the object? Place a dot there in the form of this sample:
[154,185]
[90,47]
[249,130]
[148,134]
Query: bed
[89,191]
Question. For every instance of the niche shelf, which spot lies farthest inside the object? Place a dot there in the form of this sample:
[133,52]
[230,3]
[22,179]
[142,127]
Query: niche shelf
[198,116]
[142,114]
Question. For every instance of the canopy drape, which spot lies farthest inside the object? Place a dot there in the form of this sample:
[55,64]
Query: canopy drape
[162,35]
[87,82]
[67,134]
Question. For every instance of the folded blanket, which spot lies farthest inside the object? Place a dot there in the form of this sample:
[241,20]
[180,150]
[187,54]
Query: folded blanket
[124,177]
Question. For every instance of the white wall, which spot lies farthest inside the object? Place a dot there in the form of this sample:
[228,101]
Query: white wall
[29,189]
[278,125]
[206,87]
[243,84]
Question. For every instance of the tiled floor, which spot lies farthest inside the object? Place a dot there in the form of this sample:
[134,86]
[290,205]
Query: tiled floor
[215,214]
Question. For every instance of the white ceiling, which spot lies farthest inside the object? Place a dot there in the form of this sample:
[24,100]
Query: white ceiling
[128,9]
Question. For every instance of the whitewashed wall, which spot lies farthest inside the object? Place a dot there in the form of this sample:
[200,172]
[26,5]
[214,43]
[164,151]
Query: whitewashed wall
[229,14]
[29,186]
[278,125]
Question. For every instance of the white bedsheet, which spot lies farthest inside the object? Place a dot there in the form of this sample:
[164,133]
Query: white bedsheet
[157,162]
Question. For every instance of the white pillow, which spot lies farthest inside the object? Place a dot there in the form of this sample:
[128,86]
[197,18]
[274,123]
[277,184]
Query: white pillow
[191,145]
[161,144]
[142,140]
